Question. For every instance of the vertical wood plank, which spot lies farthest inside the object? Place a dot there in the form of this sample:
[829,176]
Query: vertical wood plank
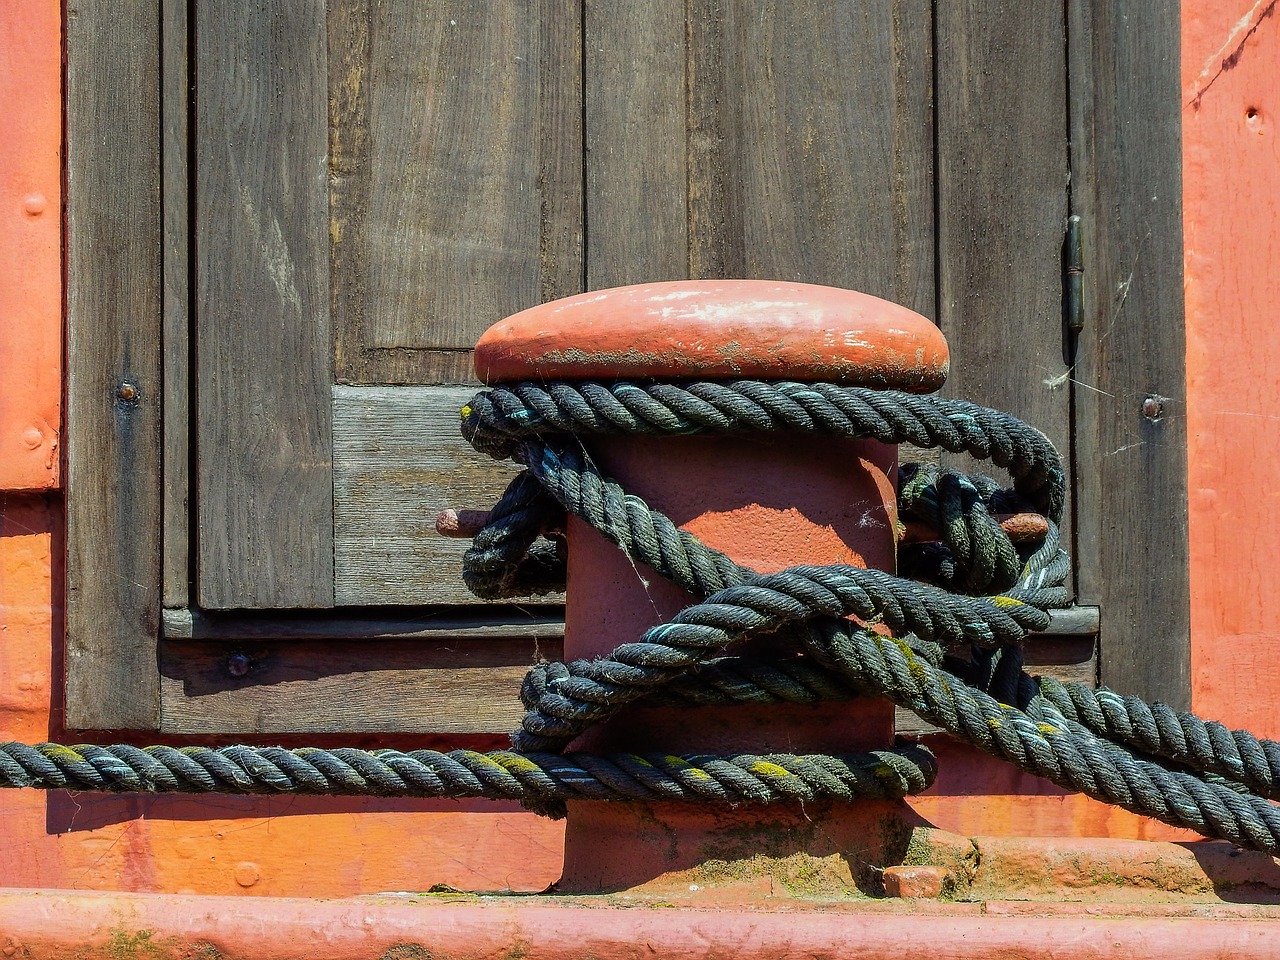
[114,376]
[456,177]
[636,176]
[1002,207]
[174,103]
[1132,542]
[264,353]
[810,144]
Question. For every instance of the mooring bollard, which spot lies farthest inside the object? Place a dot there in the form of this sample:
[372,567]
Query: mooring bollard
[768,502]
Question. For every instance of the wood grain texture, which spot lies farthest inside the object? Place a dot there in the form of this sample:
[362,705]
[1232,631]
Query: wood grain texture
[1002,208]
[398,461]
[114,377]
[636,165]
[810,145]
[175,102]
[396,686]
[457,176]
[1132,551]
[264,348]
[420,623]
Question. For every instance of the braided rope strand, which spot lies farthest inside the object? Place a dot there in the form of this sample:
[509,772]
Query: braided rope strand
[499,775]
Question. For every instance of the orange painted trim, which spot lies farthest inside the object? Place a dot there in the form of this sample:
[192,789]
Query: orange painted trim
[59,924]
[30,244]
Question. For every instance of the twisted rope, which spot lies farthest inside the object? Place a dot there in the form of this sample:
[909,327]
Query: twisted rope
[1091,741]
[500,775]
[955,661]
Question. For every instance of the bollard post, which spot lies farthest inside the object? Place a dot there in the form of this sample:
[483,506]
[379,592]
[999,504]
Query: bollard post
[768,502]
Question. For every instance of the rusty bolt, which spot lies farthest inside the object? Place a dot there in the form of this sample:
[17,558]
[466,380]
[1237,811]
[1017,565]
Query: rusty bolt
[239,665]
[461,523]
[127,391]
[1021,528]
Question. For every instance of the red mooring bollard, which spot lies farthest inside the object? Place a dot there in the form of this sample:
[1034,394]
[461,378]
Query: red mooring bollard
[769,502]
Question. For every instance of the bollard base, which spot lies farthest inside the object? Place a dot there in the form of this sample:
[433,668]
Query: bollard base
[829,850]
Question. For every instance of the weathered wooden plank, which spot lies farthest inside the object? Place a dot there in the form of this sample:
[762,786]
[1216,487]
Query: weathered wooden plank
[636,168]
[395,686]
[114,378]
[264,348]
[417,623]
[399,460]
[408,686]
[810,144]
[1002,207]
[1126,151]
[457,188]
[175,102]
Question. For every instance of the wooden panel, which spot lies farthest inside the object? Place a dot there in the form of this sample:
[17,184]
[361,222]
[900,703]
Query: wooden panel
[399,459]
[1132,542]
[393,687]
[264,366]
[114,375]
[810,144]
[426,623]
[175,103]
[1002,207]
[457,176]
[634,80]
[464,685]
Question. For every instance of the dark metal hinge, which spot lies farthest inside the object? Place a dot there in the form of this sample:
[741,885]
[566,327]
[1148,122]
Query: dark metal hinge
[1073,276]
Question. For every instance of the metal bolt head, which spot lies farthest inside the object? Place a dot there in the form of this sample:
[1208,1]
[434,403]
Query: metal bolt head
[1153,407]
[239,665]
[126,391]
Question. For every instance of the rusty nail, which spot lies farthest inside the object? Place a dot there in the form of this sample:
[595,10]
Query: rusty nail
[127,391]
[1153,407]
[239,665]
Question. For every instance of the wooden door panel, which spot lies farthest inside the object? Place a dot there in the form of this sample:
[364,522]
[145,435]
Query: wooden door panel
[456,187]
[811,145]
[263,358]
[776,140]
[1002,207]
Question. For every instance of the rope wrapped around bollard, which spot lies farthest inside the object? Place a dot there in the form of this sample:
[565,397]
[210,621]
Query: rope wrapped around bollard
[954,656]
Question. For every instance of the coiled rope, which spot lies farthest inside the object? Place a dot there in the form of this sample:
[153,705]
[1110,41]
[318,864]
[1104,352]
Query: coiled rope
[954,657]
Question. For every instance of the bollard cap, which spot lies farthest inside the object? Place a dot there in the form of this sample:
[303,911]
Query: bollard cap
[718,330]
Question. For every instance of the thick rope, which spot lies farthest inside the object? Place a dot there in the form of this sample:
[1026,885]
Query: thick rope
[1094,747]
[501,775]
[955,660]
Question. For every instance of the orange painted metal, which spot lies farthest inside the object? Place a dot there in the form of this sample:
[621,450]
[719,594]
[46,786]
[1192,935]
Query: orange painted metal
[253,846]
[30,244]
[1231,202]
[59,925]
[718,329]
